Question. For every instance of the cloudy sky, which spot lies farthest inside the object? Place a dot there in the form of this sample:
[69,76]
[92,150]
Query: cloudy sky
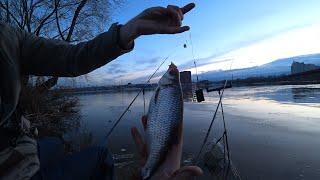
[242,33]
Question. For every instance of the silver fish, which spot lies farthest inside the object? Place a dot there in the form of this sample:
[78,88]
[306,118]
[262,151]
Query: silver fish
[164,116]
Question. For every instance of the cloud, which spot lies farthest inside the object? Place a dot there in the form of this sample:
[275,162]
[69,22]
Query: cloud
[251,53]
[144,60]
[217,58]
[142,63]
[296,42]
[224,56]
[115,68]
[299,41]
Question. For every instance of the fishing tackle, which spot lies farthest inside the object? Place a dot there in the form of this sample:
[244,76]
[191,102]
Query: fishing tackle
[200,97]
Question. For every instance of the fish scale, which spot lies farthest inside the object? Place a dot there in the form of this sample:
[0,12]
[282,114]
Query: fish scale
[164,116]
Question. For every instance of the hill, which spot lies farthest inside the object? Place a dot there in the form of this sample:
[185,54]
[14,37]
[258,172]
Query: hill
[274,68]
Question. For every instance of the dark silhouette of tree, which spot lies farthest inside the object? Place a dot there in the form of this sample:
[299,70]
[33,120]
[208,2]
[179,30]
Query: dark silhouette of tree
[68,20]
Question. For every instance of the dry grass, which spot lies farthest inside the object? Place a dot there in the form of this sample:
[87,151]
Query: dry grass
[51,112]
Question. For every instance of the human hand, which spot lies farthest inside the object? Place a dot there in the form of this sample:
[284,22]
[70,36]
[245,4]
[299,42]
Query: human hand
[155,20]
[170,167]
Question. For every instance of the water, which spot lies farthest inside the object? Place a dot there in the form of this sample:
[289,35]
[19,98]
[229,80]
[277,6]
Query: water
[273,130]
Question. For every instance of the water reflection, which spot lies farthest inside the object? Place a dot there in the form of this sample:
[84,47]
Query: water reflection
[301,94]
[270,128]
[306,95]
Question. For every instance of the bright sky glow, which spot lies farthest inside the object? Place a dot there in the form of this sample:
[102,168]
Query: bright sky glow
[249,32]
[293,43]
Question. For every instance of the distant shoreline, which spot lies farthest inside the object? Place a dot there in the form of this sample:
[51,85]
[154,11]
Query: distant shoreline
[79,91]
[279,83]
[106,89]
[305,78]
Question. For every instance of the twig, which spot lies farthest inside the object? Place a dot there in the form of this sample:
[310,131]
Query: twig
[13,17]
[74,19]
[57,21]
[37,31]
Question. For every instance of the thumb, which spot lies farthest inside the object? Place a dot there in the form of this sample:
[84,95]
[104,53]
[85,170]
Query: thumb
[187,172]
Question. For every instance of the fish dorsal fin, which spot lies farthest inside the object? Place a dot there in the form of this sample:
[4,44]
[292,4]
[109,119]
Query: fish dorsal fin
[156,95]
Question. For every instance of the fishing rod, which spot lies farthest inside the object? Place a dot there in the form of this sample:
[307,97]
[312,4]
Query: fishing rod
[221,92]
[212,121]
[219,103]
[224,136]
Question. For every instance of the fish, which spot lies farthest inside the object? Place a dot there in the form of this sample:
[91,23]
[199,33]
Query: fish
[165,115]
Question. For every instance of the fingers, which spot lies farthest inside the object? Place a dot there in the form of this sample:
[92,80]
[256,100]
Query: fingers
[139,143]
[177,9]
[137,138]
[187,8]
[176,19]
[159,20]
[176,14]
[187,172]
[174,30]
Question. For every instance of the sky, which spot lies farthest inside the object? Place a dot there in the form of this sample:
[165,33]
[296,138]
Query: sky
[224,34]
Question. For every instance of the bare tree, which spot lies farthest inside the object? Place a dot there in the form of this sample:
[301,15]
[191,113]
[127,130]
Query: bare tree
[68,20]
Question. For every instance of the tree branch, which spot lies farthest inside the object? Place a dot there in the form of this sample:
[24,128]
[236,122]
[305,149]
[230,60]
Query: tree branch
[48,84]
[13,17]
[42,22]
[74,19]
[26,15]
[57,21]
[7,12]
[54,37]
[35,5]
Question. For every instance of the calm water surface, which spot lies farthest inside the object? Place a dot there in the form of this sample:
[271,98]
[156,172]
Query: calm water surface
[274,131]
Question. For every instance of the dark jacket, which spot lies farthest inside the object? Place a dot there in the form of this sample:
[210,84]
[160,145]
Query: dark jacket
[25,54]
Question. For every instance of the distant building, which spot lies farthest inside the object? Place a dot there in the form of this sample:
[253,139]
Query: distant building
[186,83]
[298,67]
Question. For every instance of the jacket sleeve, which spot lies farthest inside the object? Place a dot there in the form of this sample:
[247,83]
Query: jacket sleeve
[47,57]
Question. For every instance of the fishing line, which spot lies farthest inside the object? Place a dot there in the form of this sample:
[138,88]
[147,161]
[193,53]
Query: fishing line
[226,143]
[214,117]
[225,131]
[194,59]
[210,126]
[220,100]
[219,103]
[133,100]
[224,136]
[225,140]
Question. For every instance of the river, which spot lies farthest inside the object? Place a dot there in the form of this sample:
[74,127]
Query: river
[273,131]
